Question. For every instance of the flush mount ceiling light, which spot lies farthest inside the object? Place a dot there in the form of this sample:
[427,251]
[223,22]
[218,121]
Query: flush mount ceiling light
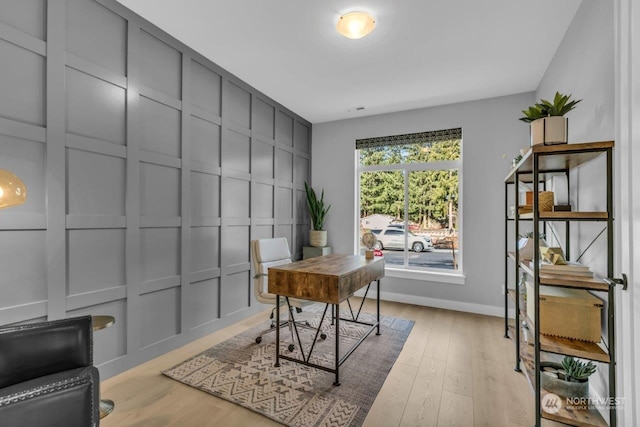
[355,25]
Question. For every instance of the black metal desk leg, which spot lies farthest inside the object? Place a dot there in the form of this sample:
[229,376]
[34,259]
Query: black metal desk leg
[277,365]
[337,317]
[378,306]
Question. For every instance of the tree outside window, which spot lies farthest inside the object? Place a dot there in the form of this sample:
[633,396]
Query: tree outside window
[412,183]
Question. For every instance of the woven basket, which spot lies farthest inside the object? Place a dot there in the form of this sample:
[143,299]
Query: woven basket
[545,201]
[318,238]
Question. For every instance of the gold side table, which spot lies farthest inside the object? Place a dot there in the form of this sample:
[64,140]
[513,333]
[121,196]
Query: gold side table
[103,322]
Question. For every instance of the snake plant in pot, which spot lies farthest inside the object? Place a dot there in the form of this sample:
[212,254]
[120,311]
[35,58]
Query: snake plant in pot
[318,212]
[547,122]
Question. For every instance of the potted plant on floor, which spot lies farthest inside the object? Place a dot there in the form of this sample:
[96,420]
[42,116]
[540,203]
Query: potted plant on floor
[318,212]
[547,121]
[569,378]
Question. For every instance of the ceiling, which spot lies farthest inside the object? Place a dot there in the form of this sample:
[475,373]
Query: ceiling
[422,52]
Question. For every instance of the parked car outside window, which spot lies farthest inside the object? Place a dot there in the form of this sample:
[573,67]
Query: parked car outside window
[393,238]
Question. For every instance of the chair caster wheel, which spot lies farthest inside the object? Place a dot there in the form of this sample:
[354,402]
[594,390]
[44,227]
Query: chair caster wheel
[323,336]
[258,340]
[291,347]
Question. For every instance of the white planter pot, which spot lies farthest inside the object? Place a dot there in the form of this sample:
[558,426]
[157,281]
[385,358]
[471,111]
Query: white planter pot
[318,238]
[549,130]
[525,247]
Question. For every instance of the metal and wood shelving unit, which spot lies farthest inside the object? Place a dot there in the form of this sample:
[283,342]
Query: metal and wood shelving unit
[540,164]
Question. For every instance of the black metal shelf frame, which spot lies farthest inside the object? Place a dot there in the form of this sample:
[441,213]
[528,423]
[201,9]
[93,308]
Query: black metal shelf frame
[537,178]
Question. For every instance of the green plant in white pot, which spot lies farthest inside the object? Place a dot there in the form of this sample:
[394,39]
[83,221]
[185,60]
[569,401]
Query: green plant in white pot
[318,212]
[547,121]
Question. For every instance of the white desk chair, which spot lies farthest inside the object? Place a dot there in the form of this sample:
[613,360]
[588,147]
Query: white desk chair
[267,253]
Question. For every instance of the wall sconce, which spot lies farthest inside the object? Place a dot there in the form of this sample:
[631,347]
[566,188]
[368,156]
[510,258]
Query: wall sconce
[355,25]
[13,192]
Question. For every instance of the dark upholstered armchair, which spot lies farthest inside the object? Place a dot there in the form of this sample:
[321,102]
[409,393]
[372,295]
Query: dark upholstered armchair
[47,377]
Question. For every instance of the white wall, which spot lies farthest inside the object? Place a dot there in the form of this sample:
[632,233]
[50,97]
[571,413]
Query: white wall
[490,130]
[584,67]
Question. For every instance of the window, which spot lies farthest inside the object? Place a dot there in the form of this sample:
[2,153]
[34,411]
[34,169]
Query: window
[409,197]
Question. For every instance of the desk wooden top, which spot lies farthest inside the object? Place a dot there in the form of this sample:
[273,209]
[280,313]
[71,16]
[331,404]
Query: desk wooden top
[329,279]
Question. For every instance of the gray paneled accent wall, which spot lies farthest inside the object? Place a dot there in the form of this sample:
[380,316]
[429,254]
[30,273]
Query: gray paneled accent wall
[149,169]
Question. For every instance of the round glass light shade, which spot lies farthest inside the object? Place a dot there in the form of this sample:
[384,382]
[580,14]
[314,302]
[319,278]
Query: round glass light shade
[355,25]
[13,192]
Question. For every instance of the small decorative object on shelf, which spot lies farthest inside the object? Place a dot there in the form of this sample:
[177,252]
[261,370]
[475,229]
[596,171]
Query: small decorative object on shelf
[562,208]
[548,126]
[545,201]
[516,159]
[553,255]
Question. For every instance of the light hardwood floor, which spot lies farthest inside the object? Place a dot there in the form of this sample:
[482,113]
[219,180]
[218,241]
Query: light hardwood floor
[456,369]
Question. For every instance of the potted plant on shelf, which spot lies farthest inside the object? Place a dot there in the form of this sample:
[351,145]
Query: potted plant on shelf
[318,211]
[569,378]
[547,122]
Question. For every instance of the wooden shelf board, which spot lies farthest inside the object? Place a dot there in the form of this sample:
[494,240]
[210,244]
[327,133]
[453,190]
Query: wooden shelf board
[555,158]
[563,216]
[575,417]
[565,281]
[570,347]
[588,283]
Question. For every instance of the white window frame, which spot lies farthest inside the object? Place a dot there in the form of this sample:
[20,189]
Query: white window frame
[405,271]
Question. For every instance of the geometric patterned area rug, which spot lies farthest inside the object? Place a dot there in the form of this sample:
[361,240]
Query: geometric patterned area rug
[241,371]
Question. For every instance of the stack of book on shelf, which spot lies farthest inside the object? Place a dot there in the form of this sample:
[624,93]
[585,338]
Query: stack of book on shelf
[524,211]
[568,269]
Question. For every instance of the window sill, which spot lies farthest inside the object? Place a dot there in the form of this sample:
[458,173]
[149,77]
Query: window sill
[457,278]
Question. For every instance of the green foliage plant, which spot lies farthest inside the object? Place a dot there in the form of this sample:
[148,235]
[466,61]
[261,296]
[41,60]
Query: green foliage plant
[559,107]
[529,235]
[317,209]
[577,370]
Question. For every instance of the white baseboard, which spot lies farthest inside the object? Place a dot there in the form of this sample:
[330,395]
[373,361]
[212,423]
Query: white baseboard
[466,307]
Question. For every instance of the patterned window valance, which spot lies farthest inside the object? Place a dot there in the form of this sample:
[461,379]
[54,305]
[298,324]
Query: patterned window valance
[410,138]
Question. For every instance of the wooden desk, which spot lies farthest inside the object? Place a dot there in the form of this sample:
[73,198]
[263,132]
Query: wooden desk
[329,279]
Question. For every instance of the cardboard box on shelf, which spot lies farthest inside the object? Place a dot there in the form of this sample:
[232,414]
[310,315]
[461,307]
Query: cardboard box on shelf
[567,313]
